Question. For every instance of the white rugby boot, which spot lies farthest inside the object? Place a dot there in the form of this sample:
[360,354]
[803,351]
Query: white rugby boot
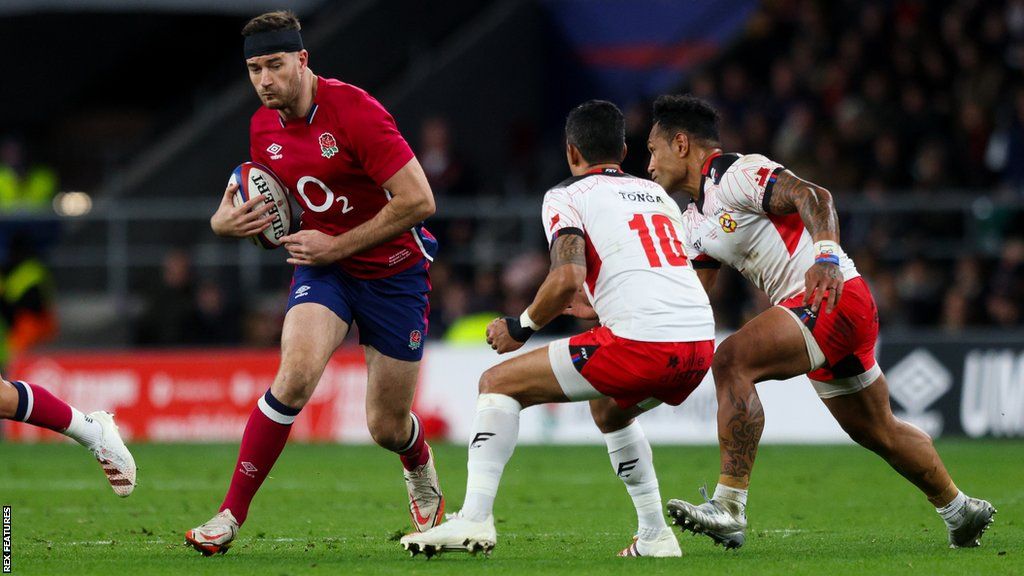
[724,521]
[110,451]
[977,515]
[664,545]
[457,534]
[214,537]
[426,502]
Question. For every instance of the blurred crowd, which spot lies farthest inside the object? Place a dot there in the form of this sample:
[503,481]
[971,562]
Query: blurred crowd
[903,103]
[885,103]
[881,102]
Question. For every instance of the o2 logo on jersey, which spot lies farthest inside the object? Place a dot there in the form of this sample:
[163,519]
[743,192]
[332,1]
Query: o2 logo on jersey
[329,198]
[328,145]
[727,223]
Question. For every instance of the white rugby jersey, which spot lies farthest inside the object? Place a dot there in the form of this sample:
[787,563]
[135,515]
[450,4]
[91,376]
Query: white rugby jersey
[639,279]
[729,223]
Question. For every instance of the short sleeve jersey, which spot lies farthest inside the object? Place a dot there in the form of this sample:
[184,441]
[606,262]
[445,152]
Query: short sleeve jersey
[729,223]
[639,279]
[334,163]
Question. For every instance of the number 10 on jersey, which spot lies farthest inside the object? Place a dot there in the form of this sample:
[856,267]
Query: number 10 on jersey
[671,247]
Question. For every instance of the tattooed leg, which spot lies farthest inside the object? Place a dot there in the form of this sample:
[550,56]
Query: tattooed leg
[739,434]
[770,346]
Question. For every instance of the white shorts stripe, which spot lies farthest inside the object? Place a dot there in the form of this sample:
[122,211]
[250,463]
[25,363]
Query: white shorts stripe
[839,386]
[844,386]
[573,384]
[814,353]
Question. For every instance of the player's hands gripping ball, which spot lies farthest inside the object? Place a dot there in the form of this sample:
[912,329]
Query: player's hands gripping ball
[242,221]
[255,206]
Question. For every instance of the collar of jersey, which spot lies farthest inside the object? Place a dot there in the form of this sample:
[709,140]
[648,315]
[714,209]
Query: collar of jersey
[704,171]
[312,109]
[603,171]
[309,117]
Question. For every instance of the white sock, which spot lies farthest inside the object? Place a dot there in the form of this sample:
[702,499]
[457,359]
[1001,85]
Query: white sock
[495,431]
[633,462]
[728,493]
[83,429]
[952,513]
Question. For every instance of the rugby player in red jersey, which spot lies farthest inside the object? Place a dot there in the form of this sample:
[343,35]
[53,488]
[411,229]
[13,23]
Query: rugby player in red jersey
[36,405]
[362,256]
[782,234]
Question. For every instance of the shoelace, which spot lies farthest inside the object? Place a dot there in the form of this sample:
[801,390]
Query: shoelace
[708,500]
[704,492]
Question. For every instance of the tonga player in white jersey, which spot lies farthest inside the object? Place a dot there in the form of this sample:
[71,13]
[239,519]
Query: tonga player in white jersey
[620,239]
[782,233]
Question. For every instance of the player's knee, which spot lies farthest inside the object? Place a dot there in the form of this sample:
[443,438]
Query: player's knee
[492,382]
[727,365]
[294,386]
[388,431]
[607,418]
[873,436]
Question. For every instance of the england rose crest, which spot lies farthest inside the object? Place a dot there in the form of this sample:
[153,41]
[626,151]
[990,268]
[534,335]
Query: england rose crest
[328,145]
[415,339]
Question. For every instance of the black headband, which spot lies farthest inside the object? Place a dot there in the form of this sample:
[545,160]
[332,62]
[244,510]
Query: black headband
[272,42]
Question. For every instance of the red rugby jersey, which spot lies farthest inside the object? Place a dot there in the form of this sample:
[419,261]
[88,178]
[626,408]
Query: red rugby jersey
[334,163]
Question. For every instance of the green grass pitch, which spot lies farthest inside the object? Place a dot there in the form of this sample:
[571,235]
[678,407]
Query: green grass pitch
[340,509]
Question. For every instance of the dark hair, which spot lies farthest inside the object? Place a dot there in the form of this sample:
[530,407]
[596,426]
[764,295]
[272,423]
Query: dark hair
[689,114]
[598,130]
[271,21]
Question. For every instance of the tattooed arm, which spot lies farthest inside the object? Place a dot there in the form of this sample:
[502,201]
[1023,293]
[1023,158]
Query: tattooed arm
[814,204]
[568,271]
[791,194]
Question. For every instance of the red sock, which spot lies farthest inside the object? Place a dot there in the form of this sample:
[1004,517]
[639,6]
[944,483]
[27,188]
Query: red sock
[265,436]
[416,452]
[38,407]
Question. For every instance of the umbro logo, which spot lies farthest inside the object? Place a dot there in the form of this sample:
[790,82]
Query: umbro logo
[302,291]
[275,151]
[248,468]
[480,438]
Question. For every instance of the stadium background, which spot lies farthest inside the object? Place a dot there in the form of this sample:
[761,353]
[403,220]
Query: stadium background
[125,121]
[122,121]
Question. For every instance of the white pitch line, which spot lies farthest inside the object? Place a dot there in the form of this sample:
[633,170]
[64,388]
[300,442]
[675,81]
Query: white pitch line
[785,533]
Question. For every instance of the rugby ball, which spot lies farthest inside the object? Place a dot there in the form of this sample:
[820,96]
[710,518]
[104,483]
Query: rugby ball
[257,180]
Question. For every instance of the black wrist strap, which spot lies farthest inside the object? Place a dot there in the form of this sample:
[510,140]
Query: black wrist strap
[517,331]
